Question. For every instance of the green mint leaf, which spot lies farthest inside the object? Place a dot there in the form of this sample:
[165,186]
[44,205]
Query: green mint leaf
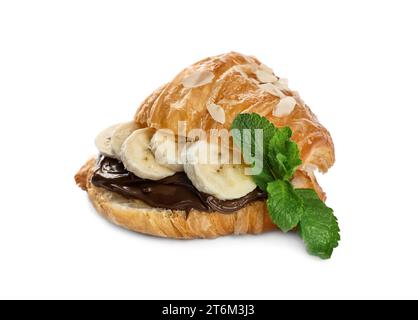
[253,121]
[318,226]
[283,154]
[277,164]
[284,205]
[293,158]
[248,123]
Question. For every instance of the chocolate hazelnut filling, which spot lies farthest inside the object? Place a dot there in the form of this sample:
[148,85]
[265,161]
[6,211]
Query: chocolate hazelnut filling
[175,192]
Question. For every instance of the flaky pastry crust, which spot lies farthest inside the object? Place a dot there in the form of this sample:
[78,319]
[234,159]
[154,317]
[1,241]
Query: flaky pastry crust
[235,88]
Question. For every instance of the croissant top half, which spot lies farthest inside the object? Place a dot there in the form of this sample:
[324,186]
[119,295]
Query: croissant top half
[234,82]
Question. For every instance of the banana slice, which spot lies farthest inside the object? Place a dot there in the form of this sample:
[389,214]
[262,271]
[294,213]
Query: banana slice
[164,146]
[102,141]
[138,158]
[225,181]
[121,133]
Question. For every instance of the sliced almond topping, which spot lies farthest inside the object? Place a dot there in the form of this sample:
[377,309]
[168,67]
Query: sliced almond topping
[265,77]
[298,98]
[216,112]
[284,107]
[282,84]
[272,89]
[198,79]
[265,68]
[284,81]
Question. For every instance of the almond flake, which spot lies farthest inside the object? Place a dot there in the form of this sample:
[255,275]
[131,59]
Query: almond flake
[272,89]
[216,112]
[284,107]
[298,98]
[282,84]
[265,68]
[265,77]
[198,79]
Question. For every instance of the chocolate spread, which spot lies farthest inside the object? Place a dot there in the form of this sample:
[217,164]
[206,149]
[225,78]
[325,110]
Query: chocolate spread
[175,192]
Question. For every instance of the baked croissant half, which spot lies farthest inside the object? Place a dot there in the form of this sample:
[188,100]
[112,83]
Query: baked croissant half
[139,183]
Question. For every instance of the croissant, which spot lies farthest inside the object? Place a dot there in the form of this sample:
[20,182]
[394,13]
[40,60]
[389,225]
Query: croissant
[209,95]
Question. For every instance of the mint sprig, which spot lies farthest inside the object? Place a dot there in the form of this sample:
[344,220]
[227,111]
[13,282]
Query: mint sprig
[289,208]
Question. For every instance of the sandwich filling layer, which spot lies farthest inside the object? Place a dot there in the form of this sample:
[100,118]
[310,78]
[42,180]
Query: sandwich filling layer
[176,192]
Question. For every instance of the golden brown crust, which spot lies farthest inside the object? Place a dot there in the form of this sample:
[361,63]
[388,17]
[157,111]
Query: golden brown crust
[236,89]
[144,111]
[137,216]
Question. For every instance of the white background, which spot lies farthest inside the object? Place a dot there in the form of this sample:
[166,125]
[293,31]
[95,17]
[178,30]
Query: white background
[70,68]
